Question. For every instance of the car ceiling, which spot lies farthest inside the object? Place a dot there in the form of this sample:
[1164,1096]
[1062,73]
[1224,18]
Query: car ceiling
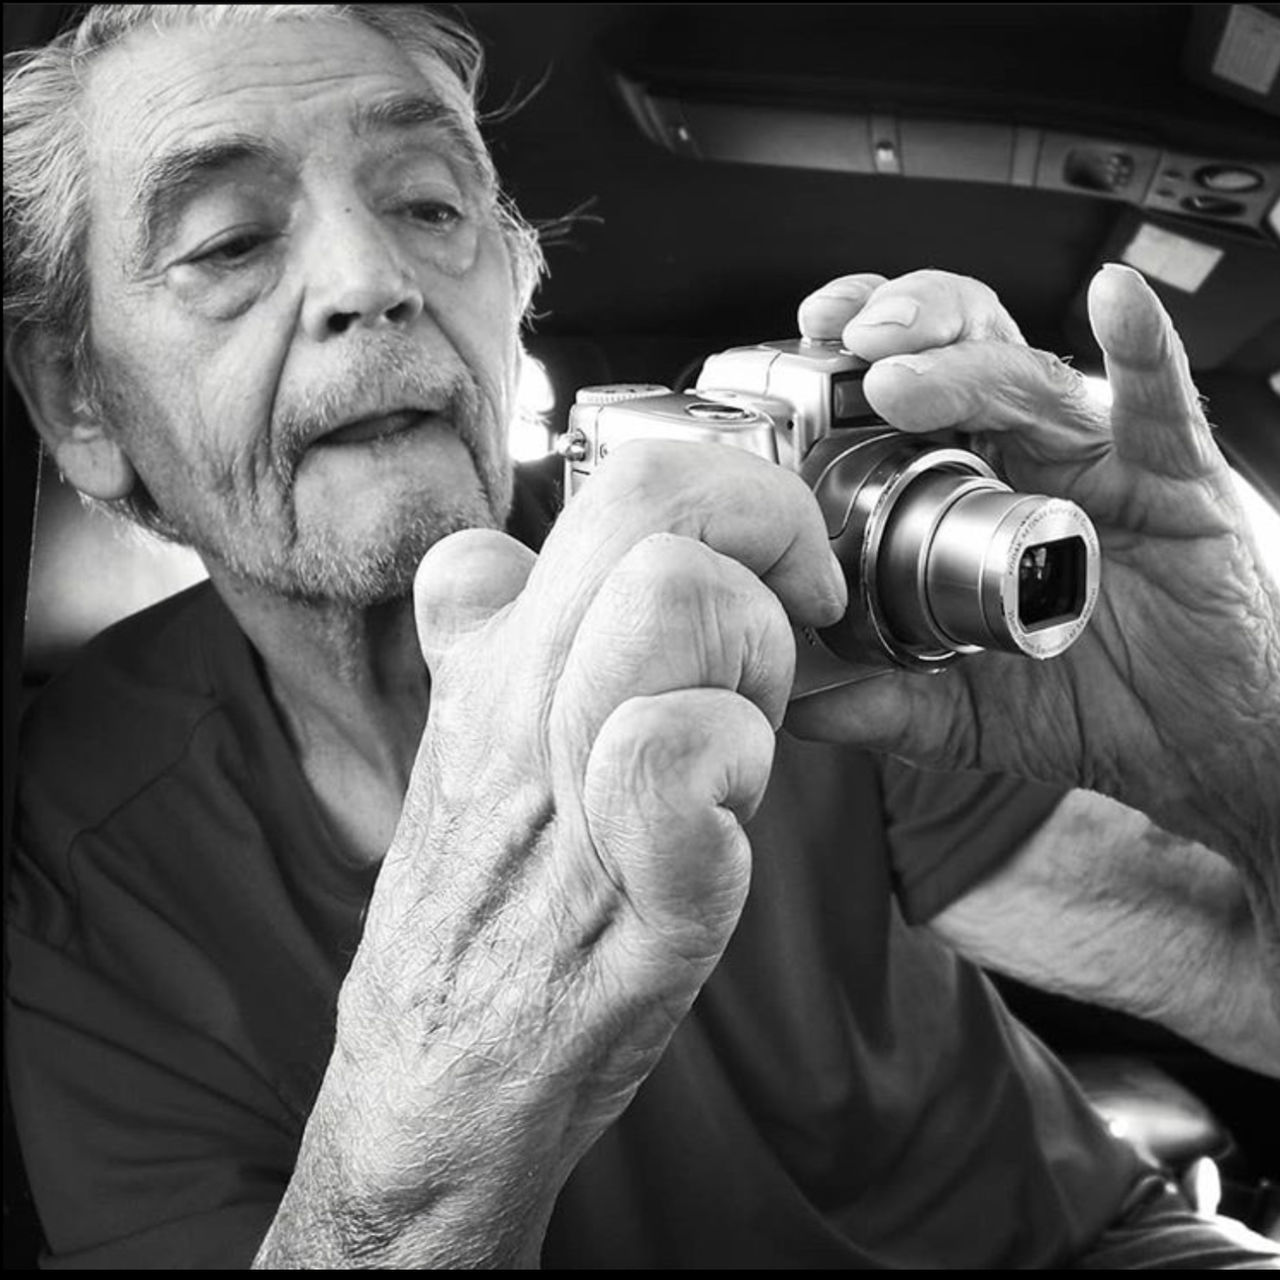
[659,255]
[665,244]
[671,243]
[671,255]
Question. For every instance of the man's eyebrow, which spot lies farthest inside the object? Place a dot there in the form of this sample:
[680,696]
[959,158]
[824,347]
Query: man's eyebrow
[405,111]
[169,181]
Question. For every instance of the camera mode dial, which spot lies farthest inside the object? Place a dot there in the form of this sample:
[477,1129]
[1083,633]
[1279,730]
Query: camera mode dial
[616,392]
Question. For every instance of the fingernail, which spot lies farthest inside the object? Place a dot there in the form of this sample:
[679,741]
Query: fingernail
[845,290]
[1119,270]
[824,312]
[901,311]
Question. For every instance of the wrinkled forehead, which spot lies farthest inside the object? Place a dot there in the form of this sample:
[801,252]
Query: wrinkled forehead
[288,84]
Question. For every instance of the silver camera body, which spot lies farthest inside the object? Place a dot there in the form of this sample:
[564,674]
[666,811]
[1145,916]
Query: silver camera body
[942,558]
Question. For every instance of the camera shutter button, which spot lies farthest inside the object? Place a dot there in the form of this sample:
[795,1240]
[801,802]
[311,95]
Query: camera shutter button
[717,411]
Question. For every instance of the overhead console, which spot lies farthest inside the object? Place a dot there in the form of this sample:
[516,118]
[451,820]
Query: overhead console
[1027,99]
[1215,187]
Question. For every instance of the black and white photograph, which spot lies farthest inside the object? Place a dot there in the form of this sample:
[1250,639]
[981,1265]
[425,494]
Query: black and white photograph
[642,636]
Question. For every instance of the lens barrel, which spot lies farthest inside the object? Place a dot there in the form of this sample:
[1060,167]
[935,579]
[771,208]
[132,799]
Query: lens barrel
[944,557]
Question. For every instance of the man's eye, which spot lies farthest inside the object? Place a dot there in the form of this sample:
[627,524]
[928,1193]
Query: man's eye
[437,215]
[231,251]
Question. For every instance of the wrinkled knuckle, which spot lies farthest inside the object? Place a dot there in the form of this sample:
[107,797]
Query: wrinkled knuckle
[1062,379]
[927,278]
[641,472]
[975,299]
[642,737]
[667,567]
[792,485]
[673,581]
[1053,368]
[665,745]
[857,282]
[651,590]
[647,724]
[979,290]
[761,612]
[784,494]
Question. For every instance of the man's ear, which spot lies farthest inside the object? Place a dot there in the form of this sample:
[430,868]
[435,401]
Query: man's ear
[85,452]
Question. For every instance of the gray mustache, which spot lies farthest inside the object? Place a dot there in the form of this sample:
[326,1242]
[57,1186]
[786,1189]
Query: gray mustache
[384,383]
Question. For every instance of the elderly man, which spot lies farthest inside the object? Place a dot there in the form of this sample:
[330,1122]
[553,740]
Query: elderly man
[321,956]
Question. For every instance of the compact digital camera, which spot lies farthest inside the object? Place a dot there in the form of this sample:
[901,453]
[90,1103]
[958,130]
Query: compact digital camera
[942,558]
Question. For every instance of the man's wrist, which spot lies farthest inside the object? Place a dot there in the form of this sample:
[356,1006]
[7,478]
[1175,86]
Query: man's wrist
[366,1193]
[401,1165]
[1228,800]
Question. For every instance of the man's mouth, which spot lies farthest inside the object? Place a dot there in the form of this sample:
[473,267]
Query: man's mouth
[379,427]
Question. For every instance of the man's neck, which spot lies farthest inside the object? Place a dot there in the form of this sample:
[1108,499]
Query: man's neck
[353,692]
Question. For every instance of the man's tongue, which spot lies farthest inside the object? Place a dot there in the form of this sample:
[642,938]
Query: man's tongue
[386,424]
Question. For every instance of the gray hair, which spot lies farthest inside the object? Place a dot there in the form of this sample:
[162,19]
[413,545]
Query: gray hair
[45,169]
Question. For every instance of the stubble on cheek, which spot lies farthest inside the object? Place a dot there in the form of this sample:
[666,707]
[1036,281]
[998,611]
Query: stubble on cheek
[225,480]
[373,556]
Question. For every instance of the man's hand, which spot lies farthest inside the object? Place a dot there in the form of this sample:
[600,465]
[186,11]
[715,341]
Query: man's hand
[570,862]
[1170,701]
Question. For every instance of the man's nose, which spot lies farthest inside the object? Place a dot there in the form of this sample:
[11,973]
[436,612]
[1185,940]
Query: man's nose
[356,277]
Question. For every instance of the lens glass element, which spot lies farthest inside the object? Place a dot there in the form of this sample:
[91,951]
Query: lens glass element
[1051,582]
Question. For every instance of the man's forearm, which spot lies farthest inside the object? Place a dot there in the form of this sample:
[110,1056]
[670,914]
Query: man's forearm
[1231,804]
[377,1185]
[1102,906]
[1227,795]
[319,1227]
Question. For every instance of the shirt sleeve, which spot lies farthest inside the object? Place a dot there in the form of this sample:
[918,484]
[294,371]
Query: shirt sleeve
[948,831]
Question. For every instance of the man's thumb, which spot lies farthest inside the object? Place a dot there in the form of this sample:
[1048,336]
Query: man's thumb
[1156,419]
[462,582]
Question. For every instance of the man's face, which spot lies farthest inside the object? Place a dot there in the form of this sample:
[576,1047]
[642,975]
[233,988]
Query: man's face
[302,315]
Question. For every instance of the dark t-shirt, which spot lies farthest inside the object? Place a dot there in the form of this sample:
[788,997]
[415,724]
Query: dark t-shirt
[845,1092]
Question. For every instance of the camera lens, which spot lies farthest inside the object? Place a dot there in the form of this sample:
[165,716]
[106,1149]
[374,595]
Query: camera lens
[1051,582]
[925,599]
[1011,571]
[943,558]
[954,561]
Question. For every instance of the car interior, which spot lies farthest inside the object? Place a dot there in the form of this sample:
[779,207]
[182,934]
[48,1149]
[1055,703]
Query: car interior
[697,169]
